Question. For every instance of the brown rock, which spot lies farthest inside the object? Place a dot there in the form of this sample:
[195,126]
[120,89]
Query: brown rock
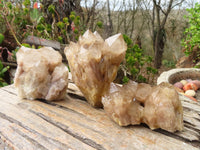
[163,109]
[40,74]
[160,107]
[143,91]
[94,63]
[120,104]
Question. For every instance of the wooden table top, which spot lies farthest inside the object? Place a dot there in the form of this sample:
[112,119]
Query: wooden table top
[74,124]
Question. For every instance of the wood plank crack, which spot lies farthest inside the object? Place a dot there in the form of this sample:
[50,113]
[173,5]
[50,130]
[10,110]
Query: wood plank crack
[50,140]
[66,129]
[9,92]
[31,140]
[67,109]
[194,143]
[6,142]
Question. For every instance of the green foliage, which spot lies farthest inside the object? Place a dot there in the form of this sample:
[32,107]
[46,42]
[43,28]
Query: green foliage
[66,20]
[14,52]
[40,28]
[72,17]
[125,79]
[61,25]
[26,45]
[51,8]
[15,17]
[2,71]
[99,24]
[60,39]
[27,19]
[76,31]
[27,3]
[1,38]
[35,15]
[169,64]
[197,66]
[193,32]
[138,65]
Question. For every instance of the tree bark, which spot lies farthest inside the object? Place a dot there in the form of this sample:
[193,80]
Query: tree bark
[109,24]
[159,47]
[93,14]
[159,31]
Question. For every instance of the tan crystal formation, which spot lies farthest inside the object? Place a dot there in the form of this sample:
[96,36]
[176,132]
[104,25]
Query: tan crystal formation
[160,107]
[40,74]
[94,63]
[163,109]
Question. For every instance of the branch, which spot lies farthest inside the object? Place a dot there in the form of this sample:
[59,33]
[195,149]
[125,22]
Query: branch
[167,13]
[12,64]
[157,12]
[158,6]
[178,3]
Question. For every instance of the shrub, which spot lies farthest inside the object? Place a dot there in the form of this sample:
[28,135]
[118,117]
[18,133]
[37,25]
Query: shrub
[23,20]
[137,66]
[2,71]
[1,38]
[193,31]
[169,64]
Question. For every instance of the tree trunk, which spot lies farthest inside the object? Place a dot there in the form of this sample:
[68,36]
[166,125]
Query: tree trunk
[93,14]
[159,47]
[159,31]
[109,24]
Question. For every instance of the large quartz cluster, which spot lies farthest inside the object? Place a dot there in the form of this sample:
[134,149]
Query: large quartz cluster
[135,103]
[94,63]
[40,74]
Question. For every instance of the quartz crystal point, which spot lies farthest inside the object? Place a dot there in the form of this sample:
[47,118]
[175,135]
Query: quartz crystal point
[94,63]
[40,74]
[160,107]
[163,108]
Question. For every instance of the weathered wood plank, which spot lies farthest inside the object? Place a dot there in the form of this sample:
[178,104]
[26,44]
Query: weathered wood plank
[73,122]
[4,145]
[23,128]
[33,40]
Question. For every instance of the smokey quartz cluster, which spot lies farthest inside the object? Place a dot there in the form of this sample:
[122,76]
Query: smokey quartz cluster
[94,63]
[135,103]
[40,74]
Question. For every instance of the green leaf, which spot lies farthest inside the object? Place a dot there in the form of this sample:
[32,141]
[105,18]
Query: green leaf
[73,13]
[26,11]
[26,45]
[72,17]
[60,24]
[76,31]
[99,24]
[51,8]
[34,15]
[1,38]
[1,65]
[40,27]
[9,5]
[66,20]
[5,69]
[60,39]
[27,3]
[125,79]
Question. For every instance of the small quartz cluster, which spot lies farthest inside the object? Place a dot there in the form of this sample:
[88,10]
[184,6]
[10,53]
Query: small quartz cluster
[135,103]
[94,63]
[40,74]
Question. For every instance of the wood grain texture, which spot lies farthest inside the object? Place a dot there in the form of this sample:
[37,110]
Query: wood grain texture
[33,40]
[74,124]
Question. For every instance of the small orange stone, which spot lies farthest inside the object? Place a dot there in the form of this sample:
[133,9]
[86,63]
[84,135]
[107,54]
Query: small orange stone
[190,86]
